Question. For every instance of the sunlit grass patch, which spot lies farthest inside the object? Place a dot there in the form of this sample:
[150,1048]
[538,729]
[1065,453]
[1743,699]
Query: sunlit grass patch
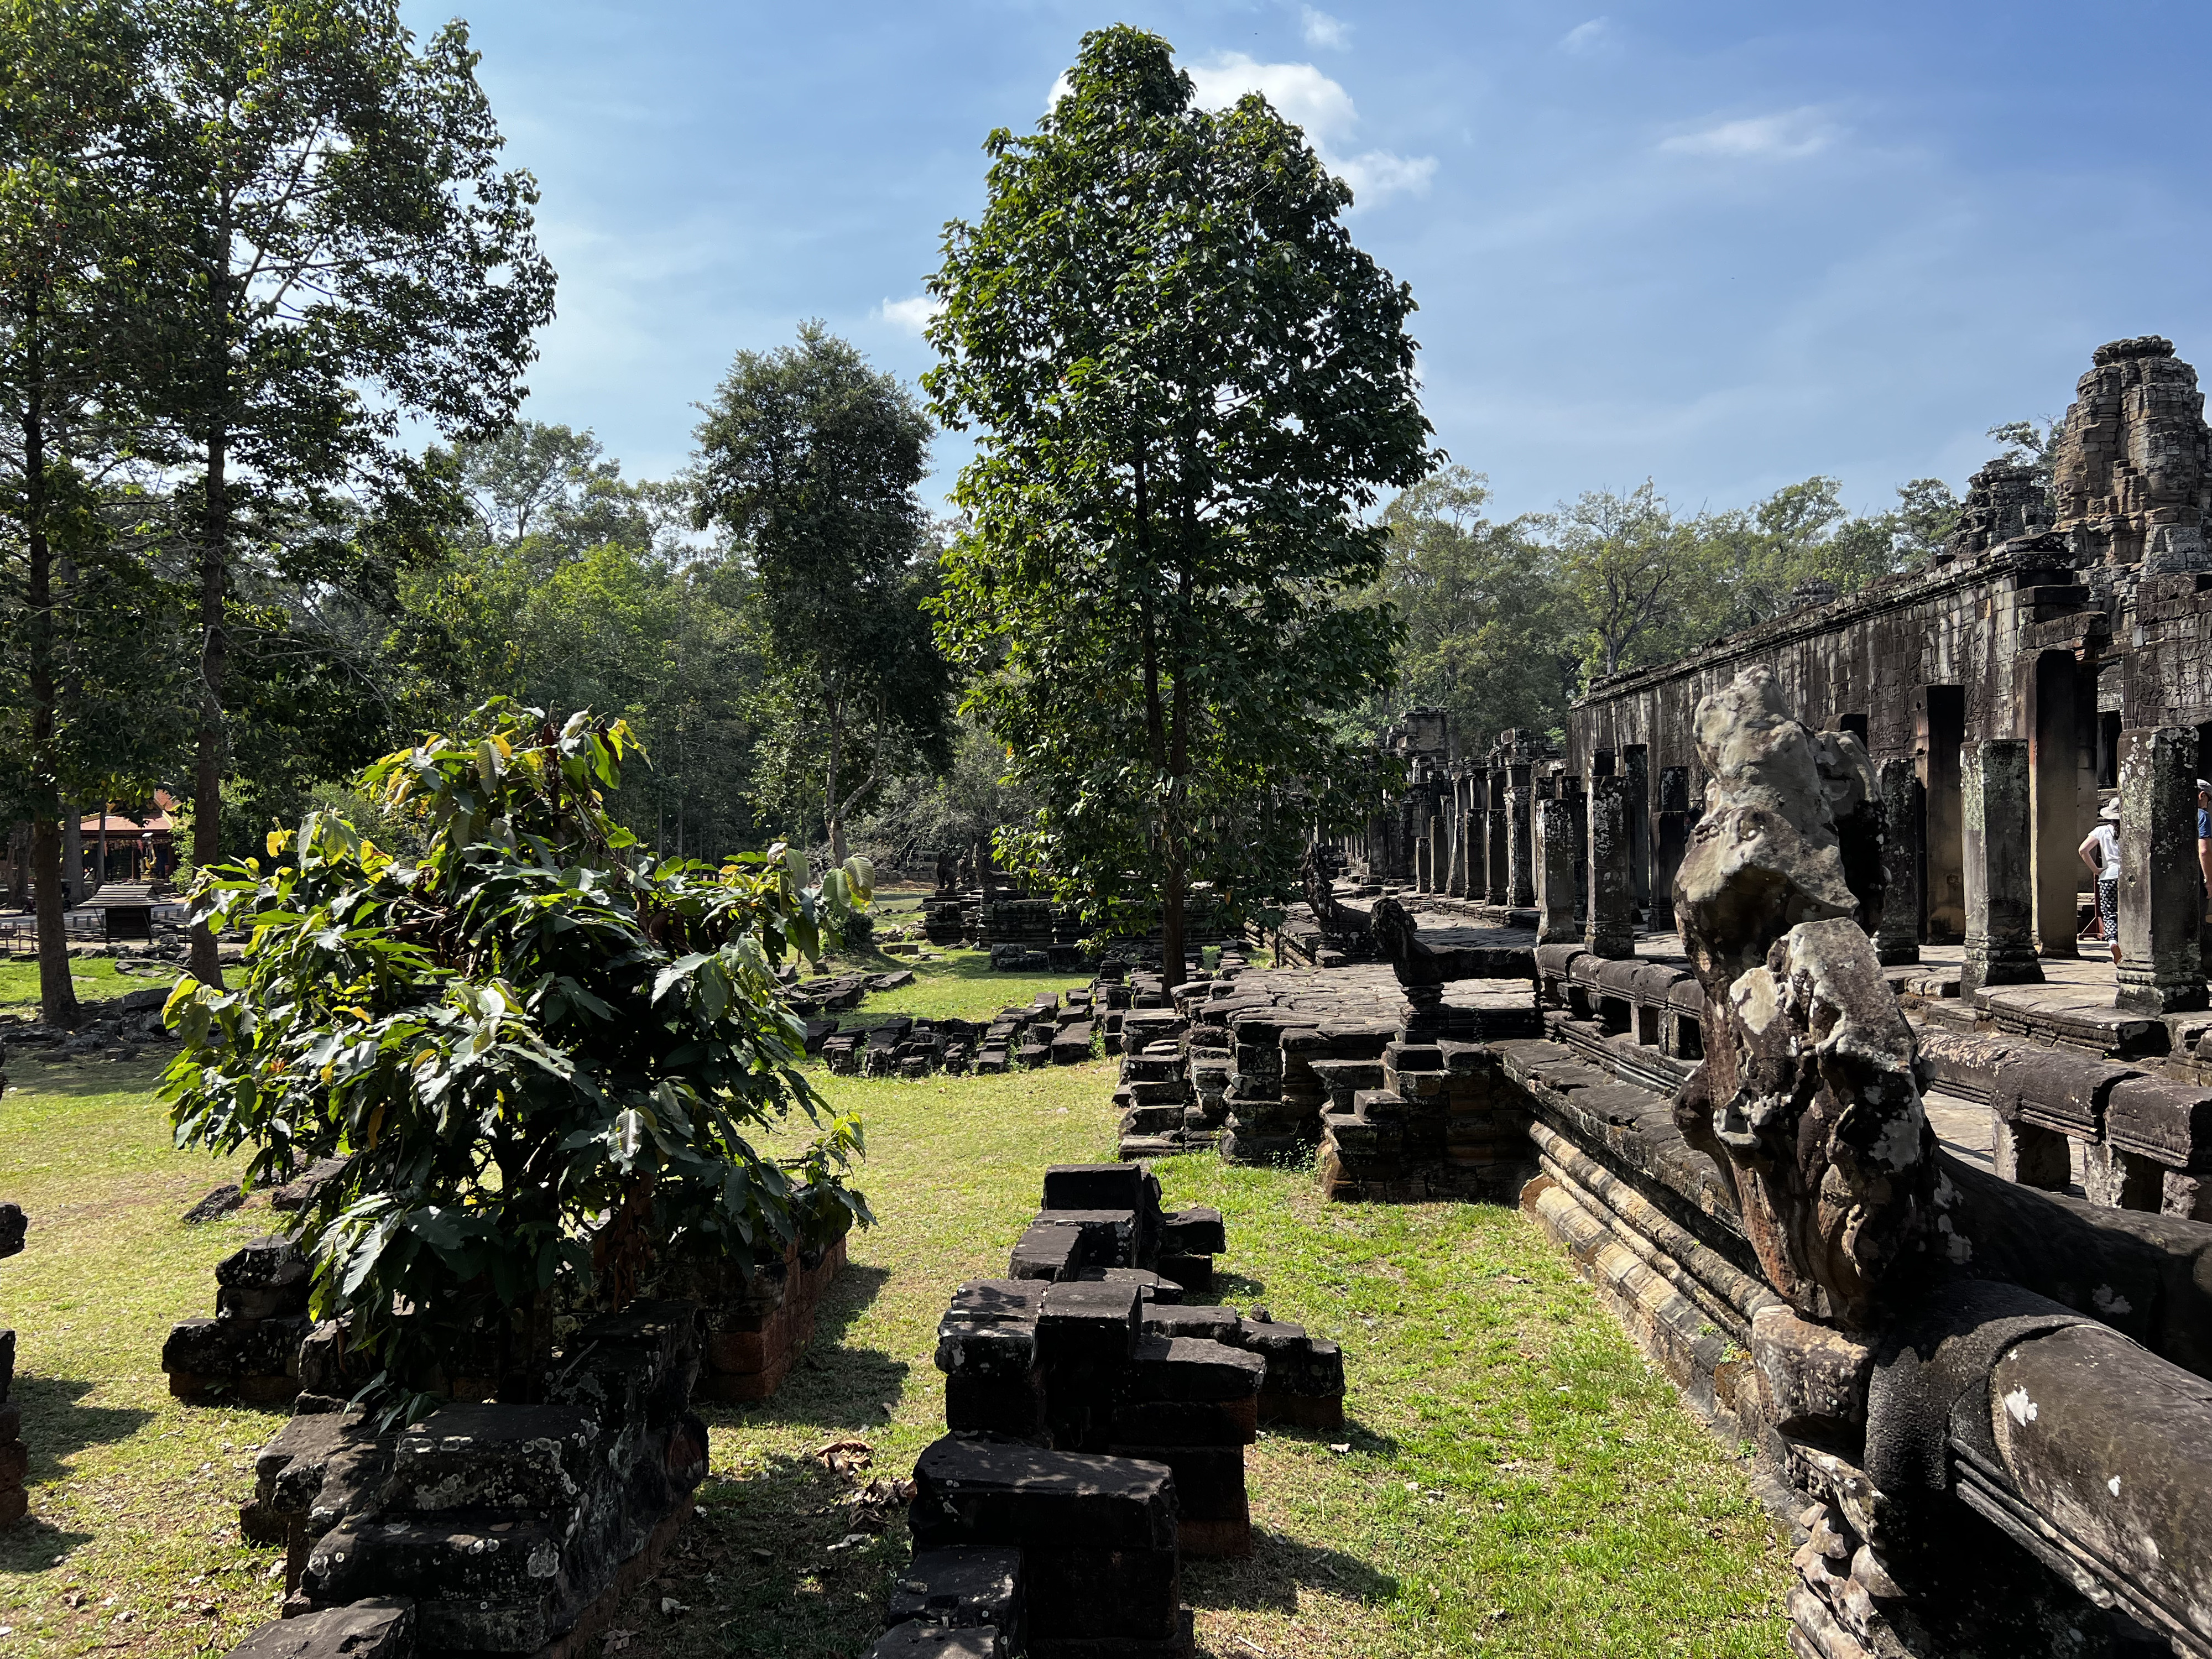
[1514,1479]
[95,976]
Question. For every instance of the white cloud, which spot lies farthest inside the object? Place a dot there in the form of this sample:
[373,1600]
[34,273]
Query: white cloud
[1587,37]
[1301,93]
[1333,34]
[1376,175]
[912,315]
[1783,138]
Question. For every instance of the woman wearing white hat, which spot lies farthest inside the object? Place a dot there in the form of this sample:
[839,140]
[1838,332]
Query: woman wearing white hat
[2100,851]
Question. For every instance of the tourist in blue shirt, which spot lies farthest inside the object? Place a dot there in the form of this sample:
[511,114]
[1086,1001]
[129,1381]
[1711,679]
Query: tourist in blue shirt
[2204,843]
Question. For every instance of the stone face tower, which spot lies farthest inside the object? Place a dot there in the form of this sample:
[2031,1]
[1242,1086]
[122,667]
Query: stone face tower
[2131,475]
[2004,501]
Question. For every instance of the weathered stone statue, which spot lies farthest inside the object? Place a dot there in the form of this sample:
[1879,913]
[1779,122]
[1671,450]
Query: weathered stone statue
[1806,1097]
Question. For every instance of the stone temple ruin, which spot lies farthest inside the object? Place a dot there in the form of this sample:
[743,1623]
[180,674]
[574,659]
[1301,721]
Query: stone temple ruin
[1765,992]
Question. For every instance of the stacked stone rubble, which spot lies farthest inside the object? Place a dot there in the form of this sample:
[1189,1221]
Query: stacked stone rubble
[250,1351]
[1097,1432]
[505,1528]
[758,1317]
[14,1459]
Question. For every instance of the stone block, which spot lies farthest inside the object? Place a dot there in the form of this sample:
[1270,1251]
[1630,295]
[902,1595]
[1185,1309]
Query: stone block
[963,1589]
[1097,1535]
[1047,1252]
[1088,1324]
[2053,1090]
[914,1639]
[2169,1123]
[2031,1156]
[1108,1238]
[1814,1378]
[1194,1272]
[382,1627]
[1014,1405]
[264,1264]
[477,1456]
[1191,1368]
[1194,1230]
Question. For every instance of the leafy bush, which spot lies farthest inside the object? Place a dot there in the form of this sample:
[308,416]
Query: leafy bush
[546,1054]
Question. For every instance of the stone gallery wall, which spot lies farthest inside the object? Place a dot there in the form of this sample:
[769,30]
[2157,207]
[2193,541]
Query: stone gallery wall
[1983,1403]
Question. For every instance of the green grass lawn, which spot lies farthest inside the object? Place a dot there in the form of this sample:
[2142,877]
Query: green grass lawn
[95,976]
[956,984]
[1516,1480]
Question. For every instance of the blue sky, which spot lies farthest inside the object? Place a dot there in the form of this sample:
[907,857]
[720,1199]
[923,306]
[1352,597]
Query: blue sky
[1725,245]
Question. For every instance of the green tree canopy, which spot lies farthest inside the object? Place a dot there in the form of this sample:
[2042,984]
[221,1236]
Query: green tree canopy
[532,1035]
[1189,385]
[1483,614]
[808,461]
[344,250]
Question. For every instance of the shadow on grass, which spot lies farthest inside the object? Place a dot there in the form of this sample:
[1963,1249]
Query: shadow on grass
[789,1558]
[79,1079]
[1271,1578]
[833,1386]
[1238,1288]
[57,1426]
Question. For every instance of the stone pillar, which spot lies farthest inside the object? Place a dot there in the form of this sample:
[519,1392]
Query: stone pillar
[1638,774]
[1439,850]
[1455,830]
[2054,778]
[1674,839]
[1897,932]
[2115,1179]
[1578,827]
[1498,889]
[2031,1155]
[1611,928]
[1556,846]
[1999,893]
[2161,966]
[1521,866]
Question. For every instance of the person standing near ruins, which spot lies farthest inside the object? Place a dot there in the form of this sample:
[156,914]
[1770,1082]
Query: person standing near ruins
[2203,845]
[2100,851]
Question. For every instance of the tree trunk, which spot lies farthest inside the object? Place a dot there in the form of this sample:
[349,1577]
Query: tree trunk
[57,993]
[833,809]
[214,660]
[1172,930]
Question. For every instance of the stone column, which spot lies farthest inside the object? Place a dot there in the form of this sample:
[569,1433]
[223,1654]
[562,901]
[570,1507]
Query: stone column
[1439,851]
[1520,866]
[1611,928]
[1456,834]
[1897,932]
[1637,772]
[2161,965]
[2053,780]
[1674,840]
[1999,883]
[1556,844]
[1498,889]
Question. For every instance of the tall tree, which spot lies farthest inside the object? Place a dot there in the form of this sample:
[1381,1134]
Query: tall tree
[1633,571]
[1483,632]
[1190,385]
[75,358]
[351,254]
[809,460]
